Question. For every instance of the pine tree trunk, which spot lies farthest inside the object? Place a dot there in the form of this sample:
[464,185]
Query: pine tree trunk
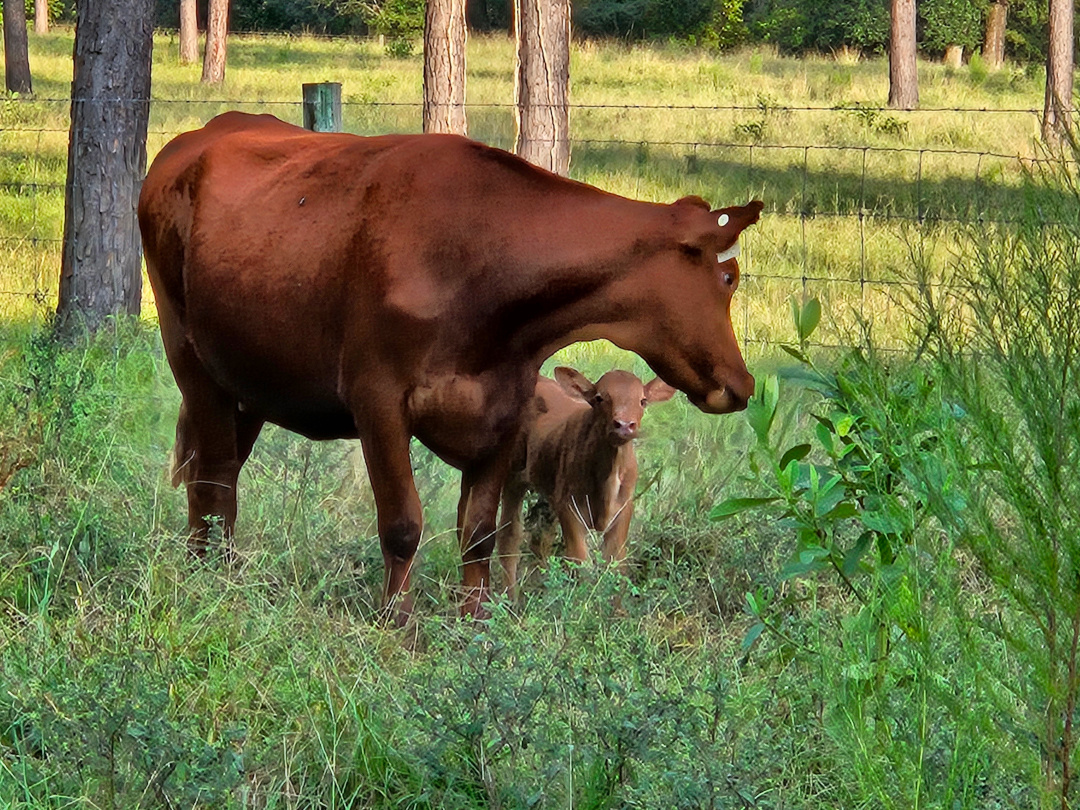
[903,70]
[542,83]
[954,56]
[445,35]
[217,33]
[41,16]
[1059,71]
[16,48]
[189,33]
[100,272]
[997,16]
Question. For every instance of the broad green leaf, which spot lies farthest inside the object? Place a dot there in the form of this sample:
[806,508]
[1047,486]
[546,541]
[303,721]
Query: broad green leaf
[752,635]
[798,355]
[809,318]
[844,424]
[796,453]
[855,553]
[733,506]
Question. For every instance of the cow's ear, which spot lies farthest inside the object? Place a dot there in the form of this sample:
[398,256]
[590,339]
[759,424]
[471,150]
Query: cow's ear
[658,391]
[734,220]
[575,383]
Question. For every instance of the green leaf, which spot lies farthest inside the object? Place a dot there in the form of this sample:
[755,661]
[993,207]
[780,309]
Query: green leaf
[808,319]
[798,355]
[844,425]
[855,553]
[752,635]
[761,408]
[751,600]
[829,498]
[796,453]
[733,506]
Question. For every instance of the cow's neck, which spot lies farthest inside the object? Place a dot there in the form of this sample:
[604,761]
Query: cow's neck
[592,298]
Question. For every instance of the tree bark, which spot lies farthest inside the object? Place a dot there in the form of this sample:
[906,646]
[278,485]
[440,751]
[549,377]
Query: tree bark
[41,16]
[189,33]
[903,70]
[16,48]
[954,56]
[101,267]
[217,33]
[542,83]
[1057,107]
[997,16]
[445,35]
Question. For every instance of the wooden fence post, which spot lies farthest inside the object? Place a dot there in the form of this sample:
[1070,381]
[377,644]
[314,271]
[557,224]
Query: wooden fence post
[322,107]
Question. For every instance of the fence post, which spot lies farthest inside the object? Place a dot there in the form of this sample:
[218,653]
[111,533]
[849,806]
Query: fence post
[322,107]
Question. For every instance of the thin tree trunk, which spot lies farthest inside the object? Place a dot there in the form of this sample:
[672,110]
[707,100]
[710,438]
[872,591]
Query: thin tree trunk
[445,35]
[1057,107]
[903,70]
[100,272]
[189,33]
[542,83]
[41,16]
[954,56]
[16,48]
[997,16]
[217,33]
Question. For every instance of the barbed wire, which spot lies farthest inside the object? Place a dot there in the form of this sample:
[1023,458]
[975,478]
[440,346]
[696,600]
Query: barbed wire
[854,107]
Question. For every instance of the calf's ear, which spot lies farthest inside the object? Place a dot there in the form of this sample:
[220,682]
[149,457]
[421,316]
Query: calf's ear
[575,383]
[658,391]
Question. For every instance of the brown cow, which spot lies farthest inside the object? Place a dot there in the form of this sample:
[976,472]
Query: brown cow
[577,451]
[410,285]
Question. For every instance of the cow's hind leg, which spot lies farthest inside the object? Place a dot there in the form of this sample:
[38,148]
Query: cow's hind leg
[213,440]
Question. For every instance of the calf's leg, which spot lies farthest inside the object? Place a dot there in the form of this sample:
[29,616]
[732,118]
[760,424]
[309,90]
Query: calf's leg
[508,537]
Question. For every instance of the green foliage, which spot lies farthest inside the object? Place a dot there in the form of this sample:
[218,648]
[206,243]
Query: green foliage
[400,21]
[798,26]
[951,22]
[1005,337]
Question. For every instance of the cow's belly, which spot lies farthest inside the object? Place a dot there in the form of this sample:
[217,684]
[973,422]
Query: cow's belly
[465,419]
[284,382]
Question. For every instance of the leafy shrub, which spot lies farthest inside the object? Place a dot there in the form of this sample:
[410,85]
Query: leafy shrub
[1005,336]
[950,22]
[797,26]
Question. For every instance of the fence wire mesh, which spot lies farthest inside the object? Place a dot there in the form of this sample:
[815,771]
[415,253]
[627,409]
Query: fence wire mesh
[840,221]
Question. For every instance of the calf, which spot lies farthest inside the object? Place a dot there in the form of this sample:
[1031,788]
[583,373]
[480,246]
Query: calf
[577,451]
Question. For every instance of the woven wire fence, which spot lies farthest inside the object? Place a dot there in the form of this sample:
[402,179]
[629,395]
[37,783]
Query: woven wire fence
[841,220]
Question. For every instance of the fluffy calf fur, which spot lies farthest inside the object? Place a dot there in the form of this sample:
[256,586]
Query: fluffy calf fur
[577,450]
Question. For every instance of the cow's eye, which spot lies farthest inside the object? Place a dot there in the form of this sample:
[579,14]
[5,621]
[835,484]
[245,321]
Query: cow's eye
[729,278]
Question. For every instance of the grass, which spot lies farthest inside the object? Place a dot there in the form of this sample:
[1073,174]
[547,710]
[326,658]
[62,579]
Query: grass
[133,678]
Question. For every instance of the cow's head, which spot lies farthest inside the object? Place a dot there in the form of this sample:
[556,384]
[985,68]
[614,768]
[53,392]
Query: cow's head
[688,339]
[618,399]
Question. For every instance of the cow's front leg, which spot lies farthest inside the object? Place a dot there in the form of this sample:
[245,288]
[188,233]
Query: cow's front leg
[481,488]
[400,518]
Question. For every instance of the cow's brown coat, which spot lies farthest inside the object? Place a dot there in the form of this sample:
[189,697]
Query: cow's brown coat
[409,285]
[577,451]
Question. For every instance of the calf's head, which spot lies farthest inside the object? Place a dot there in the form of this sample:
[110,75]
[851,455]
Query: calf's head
[688,284]
[618,399]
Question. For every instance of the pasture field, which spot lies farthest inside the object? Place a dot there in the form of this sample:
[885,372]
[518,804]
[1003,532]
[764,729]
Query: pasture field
[893,623]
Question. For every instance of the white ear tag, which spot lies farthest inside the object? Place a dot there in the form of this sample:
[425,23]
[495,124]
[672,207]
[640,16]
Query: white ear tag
[728,254]
[723,220]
